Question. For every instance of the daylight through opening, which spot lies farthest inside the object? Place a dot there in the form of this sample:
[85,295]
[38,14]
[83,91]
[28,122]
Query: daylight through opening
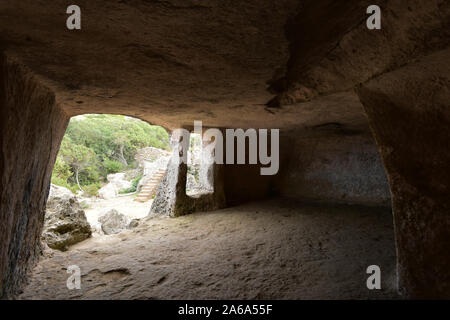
[105,177]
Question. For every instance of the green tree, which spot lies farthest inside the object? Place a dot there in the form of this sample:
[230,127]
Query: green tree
[98,144]
[61,170]
[116,137]
[78,157]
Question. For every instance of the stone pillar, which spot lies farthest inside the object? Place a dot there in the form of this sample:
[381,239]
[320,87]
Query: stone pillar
[409,114]
[172,188]
[31,129]
[171,198]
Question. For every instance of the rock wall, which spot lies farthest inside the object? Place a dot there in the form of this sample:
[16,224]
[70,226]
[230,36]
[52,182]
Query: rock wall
[244,183]
[328,163]
[31,129]
[409,112]
[338,166]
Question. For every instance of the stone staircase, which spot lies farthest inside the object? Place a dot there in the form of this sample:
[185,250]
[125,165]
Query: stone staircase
[149,190]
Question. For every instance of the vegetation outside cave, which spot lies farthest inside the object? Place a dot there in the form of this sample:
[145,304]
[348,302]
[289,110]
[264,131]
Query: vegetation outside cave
[106,163]
[97,145]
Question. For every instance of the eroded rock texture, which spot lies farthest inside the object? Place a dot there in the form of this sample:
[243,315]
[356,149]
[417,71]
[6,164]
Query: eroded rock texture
[409,112]
[176,58]
[332,50]
[113,222]
[65,222]
[334,164]
[31,127]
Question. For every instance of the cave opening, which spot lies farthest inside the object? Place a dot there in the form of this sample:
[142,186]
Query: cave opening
[104,179]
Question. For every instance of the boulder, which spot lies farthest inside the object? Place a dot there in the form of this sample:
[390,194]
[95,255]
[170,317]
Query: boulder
[133,224]
[150,154]
[131,174]
[108,192]
[57,192]
[113,222]
[117,182]
[65,222]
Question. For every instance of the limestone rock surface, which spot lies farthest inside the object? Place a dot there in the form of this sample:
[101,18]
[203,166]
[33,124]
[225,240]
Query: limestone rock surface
[65,221]
[117,182]
[113,222]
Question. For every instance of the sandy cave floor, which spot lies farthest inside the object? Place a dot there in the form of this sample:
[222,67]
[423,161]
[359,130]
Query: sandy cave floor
[276,249]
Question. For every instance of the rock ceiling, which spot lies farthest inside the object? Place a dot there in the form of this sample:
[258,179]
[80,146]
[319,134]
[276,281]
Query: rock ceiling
[227,63]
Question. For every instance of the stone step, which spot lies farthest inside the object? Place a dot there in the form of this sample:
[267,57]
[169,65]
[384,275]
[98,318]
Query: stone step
[149,190]
[146,192]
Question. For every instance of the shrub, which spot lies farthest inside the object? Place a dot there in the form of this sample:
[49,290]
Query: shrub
[84,205]
[63,183]
[91,189]
[134,184]
[61,170]
[112,166]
